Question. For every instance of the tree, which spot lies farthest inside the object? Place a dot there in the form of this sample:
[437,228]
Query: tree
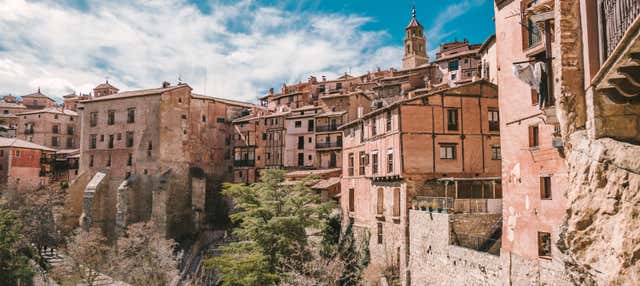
[273,221]
[14,252]
[35,210]
[87,256]
[144,257]
[354,254]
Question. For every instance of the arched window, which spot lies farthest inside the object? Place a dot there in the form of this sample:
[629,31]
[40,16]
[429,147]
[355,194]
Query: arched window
[380,201]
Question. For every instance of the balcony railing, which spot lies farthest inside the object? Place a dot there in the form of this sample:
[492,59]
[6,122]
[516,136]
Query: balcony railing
[244,163]
[616,16]
[327,128]
[447,204]
[320,145]
[433,203]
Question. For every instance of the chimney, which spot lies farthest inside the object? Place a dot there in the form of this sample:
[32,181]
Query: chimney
[271,91]
[324,78]
[165,84]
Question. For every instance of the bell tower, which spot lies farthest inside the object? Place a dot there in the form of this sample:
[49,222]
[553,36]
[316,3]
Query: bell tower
[415,45]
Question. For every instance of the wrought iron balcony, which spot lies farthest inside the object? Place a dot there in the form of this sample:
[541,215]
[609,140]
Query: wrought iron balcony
[327,128]
[616,17]
[244,163]
[321,145]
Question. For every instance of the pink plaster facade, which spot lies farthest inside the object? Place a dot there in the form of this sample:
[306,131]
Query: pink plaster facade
[531,163]
[55,128]
[391,151]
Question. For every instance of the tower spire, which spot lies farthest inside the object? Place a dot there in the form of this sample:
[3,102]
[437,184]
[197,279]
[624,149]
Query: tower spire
[413,11]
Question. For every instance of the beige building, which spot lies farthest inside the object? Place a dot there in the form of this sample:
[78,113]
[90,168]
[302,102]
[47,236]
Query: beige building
[145,148]
[53,127]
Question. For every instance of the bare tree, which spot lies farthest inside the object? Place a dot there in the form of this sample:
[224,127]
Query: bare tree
[145,257]
[87,256]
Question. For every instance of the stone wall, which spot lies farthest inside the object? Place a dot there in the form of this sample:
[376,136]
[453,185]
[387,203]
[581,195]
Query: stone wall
[434,261]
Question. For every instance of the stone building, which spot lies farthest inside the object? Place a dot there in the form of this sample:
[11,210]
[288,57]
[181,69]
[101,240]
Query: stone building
[71,100]
[37,100]
[459,62]
[21,165]
[592,50]
[54,127]
[488,67]
[300,143]
[10,107]
[144,149]
[396,153]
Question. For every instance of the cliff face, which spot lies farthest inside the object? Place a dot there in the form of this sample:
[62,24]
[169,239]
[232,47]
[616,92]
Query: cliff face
[600,237]
[601,234]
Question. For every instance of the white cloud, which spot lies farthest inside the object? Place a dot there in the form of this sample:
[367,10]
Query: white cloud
[242,49]
[439,30]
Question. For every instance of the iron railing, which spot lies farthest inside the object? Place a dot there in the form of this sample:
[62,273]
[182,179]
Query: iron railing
[320,145]
[244,163]
[327,128]
[616,17]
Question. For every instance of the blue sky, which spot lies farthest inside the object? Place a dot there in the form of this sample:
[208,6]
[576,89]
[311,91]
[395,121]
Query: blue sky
[233,49]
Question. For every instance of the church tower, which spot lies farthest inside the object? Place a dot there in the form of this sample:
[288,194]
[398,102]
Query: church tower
[415,45]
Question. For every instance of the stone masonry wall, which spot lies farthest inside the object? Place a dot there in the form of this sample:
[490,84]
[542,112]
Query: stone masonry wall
[434,261]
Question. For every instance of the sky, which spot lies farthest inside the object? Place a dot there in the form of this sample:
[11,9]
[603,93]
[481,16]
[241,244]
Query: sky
[232,49]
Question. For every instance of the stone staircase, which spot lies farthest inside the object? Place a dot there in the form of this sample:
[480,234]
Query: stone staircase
[55,259]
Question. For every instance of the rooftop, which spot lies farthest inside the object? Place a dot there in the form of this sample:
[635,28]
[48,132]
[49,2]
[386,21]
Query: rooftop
[54,110]
[136,93]
[19,143]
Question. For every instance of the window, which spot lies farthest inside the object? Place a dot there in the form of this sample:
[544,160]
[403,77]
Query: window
[149,148]
[544,244]
[129,138]
[379,233]
[350,164]
[130,159]
[380,202]
[361,133]
[55,116]
[448,151]
[533,136]
[17,154]
[101,137]
[452,119]
[495,153]
[264,136]
[545,188]
[204,118]
[396,202]
[309,139]
[310,157]
[111,117]
[219,120]
[494,120]
[298,124]
[310,125]
[54,141]
[533,34]
[375,163]
[91,161]
[92,141]
[453,76]
[69,142]
[453,65]
[339,85]
[109,161]
[362,162]
[300,142]
[300,159]
[55,129]
[1,153]
[390,161]
[111,137]
[70,130]
[351,200]
[131,115]
[389,121]
[374,127]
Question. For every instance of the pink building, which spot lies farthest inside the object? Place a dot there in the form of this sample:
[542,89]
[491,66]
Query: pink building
[397,154]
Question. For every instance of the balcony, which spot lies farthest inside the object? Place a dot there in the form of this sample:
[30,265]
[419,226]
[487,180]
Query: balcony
[28,131]
[244,163]
[327,128]
[616,18]
[321,145]
[451,205]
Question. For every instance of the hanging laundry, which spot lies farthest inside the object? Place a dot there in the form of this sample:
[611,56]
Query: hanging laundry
[540,73]
[524,72]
